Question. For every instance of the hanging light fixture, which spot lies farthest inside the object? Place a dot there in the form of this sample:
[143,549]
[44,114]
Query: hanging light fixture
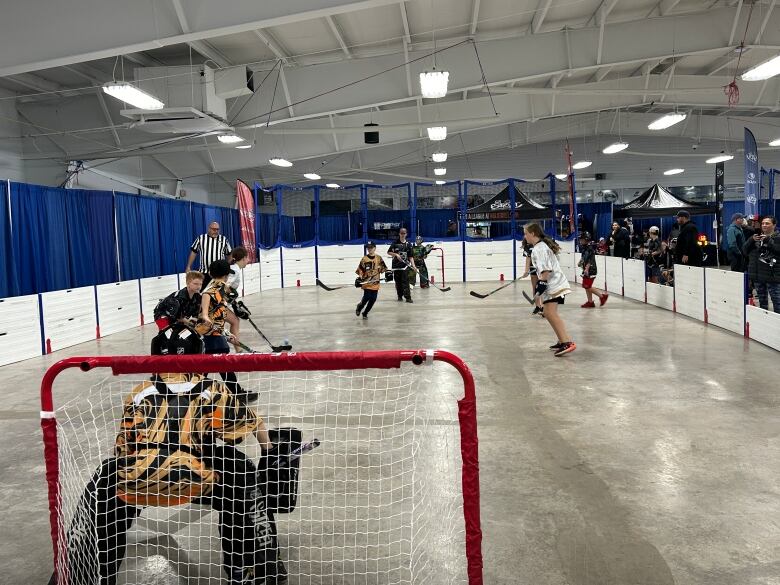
[439,157]
[763,71]
[312,176]
[242,146]
[722,157]
[439,171]
[666,121]
[562,176]
[280,162]
[615,147]
[583,164]
[433,84]
[130,94]
[674,171]
[230,138]
[437,132]
[440,182]
[333,185]
[775,142]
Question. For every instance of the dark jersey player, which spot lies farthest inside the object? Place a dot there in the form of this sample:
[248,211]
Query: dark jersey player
[402,253]
[176,444]
[181,306]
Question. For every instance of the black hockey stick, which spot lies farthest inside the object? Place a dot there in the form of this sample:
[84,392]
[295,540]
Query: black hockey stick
[332,288]
[274,348]
[528,298]
[503,286]
[434,285]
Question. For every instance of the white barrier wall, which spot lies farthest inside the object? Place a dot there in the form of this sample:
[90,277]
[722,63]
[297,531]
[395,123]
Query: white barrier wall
[270,269]
[250,279]
[689,290]
[725,299]
[182,278]
[118,306]
[453,262]
[20,338]
[298,265]
[634,279]
[153,290]
[337,263]
[660,296]
[69,317]
[568,265]
[489,260]
[613,274]
[577,267]
[763,326]
[601,276]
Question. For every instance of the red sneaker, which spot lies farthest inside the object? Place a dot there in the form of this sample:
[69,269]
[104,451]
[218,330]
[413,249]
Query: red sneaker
[589,305]
[567,347]
[603,298]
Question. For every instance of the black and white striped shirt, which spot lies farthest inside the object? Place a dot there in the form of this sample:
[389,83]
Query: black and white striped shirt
[210,249]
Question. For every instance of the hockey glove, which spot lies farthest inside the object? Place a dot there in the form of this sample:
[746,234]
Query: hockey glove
[358,282]
[541,286]
[389,276]
[241,311]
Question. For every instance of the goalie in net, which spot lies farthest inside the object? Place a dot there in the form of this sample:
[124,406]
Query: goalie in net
[166,454]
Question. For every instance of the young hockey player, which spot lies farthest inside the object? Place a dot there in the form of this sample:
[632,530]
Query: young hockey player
[401,251]
[237,259]
[552,286]
[181,306]
[589,272]
[420,253]
[157,463]
[531,269]
[369,270]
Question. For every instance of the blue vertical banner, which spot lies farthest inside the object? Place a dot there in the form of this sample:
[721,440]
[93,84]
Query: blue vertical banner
[752,174]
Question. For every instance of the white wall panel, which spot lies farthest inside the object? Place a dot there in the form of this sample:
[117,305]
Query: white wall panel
[601,267]
[16,342]
[566,260]
[763,326]
[689,290]
[153,290]
[489,247]
[347,252]
[475,274]
[118,306]
[725,299]
[270,269]
[567,246]
[614,274]
[453,262]
[69,317]
[298,265]
[182,277]
[251,279]
[660,296]
[489,260]
[577,267]
[333,277]
[634,279]
[271,254]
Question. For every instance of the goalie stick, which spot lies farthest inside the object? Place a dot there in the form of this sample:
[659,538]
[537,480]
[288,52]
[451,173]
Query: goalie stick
[503,286]
[274,348]
[434,285]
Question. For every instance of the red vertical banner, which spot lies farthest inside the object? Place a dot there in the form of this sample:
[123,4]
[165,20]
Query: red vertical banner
[246,213]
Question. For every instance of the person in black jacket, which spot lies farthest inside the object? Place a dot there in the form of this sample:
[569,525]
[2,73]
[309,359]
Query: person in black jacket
[763,252]
[620,239]
[181,306]
[403,258]
[589,272]
[688,251]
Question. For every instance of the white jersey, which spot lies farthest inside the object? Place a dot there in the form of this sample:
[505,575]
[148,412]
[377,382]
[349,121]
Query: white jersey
[546,261]
[234,280]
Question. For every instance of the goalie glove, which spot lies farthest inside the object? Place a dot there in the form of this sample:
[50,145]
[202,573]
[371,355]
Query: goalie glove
[541,287]
[241,311]
[358,282]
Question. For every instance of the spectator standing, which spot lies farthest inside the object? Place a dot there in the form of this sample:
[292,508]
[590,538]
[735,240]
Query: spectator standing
[735,241]
[620,241]
[763,252]
[688,251]
[653,254]
[211,246]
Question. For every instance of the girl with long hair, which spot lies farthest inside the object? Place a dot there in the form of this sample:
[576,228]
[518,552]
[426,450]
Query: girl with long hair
[552,286]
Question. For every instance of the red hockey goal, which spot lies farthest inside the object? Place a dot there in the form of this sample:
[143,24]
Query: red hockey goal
[389,496]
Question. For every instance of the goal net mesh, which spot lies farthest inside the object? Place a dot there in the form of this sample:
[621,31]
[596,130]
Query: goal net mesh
[379,500]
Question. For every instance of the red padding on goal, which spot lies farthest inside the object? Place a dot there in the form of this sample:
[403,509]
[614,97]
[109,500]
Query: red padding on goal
[50,456]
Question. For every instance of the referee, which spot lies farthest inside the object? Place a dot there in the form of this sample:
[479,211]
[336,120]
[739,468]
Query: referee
[211,246]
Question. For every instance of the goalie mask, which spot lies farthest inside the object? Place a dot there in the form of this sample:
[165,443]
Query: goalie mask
[177,340]
[166,312]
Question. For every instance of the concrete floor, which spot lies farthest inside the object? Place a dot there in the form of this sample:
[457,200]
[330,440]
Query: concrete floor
[648,456]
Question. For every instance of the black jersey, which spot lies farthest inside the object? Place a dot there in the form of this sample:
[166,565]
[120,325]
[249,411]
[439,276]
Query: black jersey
[589,259]
[403,249]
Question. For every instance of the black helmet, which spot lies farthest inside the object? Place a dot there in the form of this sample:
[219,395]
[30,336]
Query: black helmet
[585,236]
[177,339]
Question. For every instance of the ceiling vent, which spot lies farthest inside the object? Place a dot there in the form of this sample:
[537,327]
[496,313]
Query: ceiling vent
[174,121]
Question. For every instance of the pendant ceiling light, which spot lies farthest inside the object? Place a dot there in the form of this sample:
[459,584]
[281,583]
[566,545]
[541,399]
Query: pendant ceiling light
[280,162]
[439,157]
[583,164]
[440,182]
[130,94]
[674,171]
[775,142]
[312,176]
[666,121]
[333,185]
[230,138]
[763,71]
[615,147]
[433,84]
[562,176]
[722,157]
[439,171]
[437,132]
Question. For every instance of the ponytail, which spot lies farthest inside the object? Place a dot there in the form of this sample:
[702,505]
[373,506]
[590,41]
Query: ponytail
[552,244]
[536,230]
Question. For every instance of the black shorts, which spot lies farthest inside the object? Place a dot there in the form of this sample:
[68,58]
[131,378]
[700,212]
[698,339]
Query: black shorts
[559,300]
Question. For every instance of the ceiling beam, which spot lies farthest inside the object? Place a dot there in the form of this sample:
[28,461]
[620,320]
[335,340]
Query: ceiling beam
[602,11]
[107,115]
[539,15]
[286,91]
[405,20]
[274,46]
[735,22]
[474,17]
[89,73]
[35,82]
[664,7]
[334,28]
[765,21]
[201,46]
[142,59]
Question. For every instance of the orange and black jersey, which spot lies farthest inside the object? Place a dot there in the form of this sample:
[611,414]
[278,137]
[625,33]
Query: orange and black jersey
[168,427]
[369,269]
[219,297]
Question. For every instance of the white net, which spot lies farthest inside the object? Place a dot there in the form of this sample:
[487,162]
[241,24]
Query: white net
[379,500]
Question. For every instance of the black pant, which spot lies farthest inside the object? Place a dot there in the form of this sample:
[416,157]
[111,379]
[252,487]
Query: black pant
[216,344]
[97,536]
[401,278]
[737,261]
[368,300]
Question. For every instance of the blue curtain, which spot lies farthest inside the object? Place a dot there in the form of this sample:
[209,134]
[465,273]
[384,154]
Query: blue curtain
[297,230]
[432,224]
[40,239]
[91,238]
[9,285]
[268,228]
[138,228]
[597,218]
[175,221]
[335,228]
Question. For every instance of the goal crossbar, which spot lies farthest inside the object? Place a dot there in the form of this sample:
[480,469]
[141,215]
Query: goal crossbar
[279,362]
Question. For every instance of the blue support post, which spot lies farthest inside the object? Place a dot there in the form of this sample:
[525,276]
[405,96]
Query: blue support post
[364,211]
[462,224]
[513,225]
[553,188]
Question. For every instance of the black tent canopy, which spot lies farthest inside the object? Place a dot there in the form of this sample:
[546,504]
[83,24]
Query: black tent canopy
[656,202]
[498,208]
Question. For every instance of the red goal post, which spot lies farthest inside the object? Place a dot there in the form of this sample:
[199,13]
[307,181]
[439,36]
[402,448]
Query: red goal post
[284,362]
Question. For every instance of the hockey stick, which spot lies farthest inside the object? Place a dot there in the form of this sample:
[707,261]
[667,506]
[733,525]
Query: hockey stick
[274,348]
[332,288]
[503,286]
[436,286]
[528,298]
